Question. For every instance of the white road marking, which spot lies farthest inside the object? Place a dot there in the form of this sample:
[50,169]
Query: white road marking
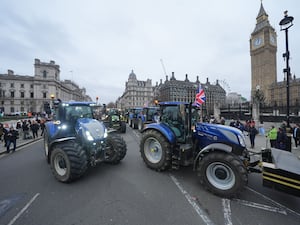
[199,211]
[260,206]
[24,209]
[276,203]
[227,211]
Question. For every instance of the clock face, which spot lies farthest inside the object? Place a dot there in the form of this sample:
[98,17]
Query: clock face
[272,39]
[257,41]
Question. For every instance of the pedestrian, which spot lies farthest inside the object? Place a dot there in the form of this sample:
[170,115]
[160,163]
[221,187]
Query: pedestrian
[222,121]
[25,128]
[34,129]
[232,123]
[296,134]
[1,131]
[281,140]
[12,136]
[42,126]
[252,133]
[5,131]
[261,128]
[272,135]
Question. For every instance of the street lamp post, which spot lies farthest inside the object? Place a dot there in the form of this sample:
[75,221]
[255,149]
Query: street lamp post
[285,24]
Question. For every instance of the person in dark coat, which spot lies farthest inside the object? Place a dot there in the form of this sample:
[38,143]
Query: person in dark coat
[12,136]
[252,133]
[281,140]
[34,129]
[296,134]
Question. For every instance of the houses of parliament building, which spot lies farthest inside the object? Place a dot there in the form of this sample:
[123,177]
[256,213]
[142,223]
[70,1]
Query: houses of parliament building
[263,50]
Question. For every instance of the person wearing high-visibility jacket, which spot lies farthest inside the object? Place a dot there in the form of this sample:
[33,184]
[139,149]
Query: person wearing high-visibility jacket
[272,135]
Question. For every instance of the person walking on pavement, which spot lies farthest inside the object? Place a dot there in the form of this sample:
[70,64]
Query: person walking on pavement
[25,128]
[252,133]
[281,140]
[42,125]
[5,131]
[34,129]
[12,136]
[1,131]
[296,134]
[272,135]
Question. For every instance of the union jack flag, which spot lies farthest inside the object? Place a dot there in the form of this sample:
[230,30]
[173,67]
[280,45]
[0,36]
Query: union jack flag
[200,96]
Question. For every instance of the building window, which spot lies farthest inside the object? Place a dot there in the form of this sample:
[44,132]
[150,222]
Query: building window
[12,102]
[12,85]
[44,74]
[44,95]
[22,94]
[22,102]
[44,86]
[22,85]
[12,109]
[31,95]
[12,94]
[31,85]
[22,109]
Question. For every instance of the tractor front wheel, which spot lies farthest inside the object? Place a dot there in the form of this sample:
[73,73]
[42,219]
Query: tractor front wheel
[116,148]
[68,161]
[222,174]
[155,150]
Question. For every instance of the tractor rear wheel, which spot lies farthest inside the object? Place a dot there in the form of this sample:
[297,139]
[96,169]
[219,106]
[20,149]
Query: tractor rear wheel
[116,148]
[123,127]
[223,174]
[68,161]
[155,150]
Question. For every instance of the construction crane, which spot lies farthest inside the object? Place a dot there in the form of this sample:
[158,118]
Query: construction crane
[163,66]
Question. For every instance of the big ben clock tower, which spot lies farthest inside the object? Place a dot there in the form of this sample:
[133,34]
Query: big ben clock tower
[263,48]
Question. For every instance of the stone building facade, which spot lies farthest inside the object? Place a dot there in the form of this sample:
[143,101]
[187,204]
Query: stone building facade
[142,93]
[137,93]
[263,51]
[24,93]
[185,91]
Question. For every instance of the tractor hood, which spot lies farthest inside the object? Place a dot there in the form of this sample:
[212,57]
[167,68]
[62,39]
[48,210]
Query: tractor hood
[91,129]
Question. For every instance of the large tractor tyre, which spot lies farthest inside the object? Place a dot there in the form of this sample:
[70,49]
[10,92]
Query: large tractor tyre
[123,127]
[68,161]
[155,150]
[140,125]
[222,174]
[116,149]
[46,144]
[134,125]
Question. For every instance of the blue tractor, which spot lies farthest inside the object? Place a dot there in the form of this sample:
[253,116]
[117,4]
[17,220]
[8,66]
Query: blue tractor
[148,115]
[217,152]
[75,141]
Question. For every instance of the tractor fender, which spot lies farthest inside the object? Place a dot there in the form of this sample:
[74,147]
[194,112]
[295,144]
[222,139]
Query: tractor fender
[212,147]
[56,141]
[163,129]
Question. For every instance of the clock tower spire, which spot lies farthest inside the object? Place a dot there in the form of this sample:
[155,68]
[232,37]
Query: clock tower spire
[263,49]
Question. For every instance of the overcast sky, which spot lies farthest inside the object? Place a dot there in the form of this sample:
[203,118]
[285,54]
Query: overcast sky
[101,41]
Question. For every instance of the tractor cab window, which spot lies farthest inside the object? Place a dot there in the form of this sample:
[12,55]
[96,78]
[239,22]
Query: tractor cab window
[75,112]
[173,116]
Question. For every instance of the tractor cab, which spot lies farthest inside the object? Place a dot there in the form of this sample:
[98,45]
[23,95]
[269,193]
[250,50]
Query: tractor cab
[179,117]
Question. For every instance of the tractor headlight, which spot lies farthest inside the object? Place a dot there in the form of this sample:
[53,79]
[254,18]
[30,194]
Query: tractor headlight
[242,140]
[105,133]
[88,136]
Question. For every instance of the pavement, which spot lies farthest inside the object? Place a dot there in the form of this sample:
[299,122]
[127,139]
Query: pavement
[20,141]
